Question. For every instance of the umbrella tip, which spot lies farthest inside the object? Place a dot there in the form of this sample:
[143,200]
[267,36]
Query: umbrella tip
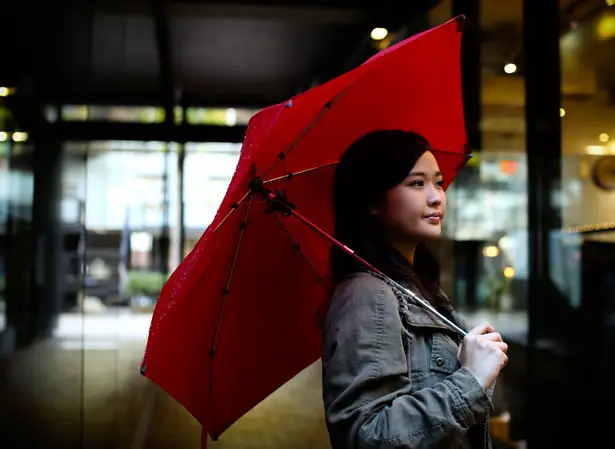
[461,20]
[468,152]
[143,369]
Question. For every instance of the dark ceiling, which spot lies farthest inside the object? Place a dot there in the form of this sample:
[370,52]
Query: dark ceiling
[191,52]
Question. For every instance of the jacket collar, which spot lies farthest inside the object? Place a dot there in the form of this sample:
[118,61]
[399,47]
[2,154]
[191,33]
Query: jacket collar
[419,317]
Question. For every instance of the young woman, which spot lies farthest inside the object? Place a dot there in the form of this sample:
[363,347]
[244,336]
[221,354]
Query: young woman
[394,376]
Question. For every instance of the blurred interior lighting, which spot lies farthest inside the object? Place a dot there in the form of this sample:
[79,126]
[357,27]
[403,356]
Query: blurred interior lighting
[504,242]
[20,136]
[6,91]
[3,136]
[605,29]
[600,150]
[604,137]
[509,272]
[562,112]
[231,117]
[610,2]
[510,68]
[378,34]
[491,251]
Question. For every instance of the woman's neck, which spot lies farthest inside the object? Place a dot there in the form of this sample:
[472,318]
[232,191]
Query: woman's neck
[407,250]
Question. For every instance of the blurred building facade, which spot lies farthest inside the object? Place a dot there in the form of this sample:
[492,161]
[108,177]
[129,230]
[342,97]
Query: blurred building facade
[120,128]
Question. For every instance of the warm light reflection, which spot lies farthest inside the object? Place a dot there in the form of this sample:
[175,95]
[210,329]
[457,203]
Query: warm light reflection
[509,272]
[510,68]
[231,117]
[600,150]
[562,112]
[20,136]
[491,251]
[605,29]
[378,34]
[604,137]
[3,136]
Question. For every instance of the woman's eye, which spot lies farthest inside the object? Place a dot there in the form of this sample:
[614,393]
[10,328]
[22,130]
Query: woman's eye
[440,183]
[416,183]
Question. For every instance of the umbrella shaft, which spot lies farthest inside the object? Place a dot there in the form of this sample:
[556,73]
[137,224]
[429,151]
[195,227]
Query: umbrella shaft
[349,251]
[430,308]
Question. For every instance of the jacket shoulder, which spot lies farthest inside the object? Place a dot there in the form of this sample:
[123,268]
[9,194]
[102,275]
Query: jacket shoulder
[357,294]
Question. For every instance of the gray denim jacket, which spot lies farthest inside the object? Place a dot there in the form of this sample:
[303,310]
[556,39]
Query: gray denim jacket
[391,378]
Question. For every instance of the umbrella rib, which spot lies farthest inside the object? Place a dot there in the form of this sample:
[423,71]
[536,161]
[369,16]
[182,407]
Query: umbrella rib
[225,293]
[326,108]
[234,207]
[288,176]
[300,172]
[456,153]
[297,247]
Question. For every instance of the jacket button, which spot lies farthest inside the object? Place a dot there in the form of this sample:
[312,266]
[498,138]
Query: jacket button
[439,361]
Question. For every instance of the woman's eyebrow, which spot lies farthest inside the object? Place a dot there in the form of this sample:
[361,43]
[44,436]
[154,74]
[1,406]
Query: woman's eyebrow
[420,173]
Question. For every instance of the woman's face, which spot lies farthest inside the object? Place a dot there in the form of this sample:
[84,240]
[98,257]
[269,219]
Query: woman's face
[412,211]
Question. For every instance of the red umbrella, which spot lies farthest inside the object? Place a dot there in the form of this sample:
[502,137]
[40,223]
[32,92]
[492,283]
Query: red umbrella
[240,315]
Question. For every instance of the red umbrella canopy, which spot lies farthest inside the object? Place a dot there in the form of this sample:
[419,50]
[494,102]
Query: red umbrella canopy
[240,315]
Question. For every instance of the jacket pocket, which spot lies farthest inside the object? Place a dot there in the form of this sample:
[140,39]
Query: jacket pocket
[443,360]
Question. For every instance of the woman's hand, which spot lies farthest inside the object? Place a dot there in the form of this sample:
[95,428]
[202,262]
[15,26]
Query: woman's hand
[483,353]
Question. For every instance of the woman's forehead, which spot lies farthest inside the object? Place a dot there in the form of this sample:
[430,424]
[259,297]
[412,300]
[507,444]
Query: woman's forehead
[427,163]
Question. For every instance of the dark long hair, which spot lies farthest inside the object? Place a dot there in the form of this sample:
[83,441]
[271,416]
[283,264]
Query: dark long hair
[371,166]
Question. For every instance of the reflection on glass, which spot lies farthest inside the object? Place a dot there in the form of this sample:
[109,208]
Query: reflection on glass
[208,170]
[4,205]
[587,196]
[486,268]
[120,199]
[150,114]
[118,205]
[16,242]
[126,183]
[126,114]
[221,117]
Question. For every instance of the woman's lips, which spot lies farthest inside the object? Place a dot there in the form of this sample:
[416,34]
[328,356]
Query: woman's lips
[434,218]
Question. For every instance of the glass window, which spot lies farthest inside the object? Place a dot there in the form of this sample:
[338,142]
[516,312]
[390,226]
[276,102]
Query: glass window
[587,51]
[587,196]
[4,205]
[149,114]
[485,263]
[221,117]
[121,198]
[127,114]
[487,214]
[208,170]
[119,207]
[127,181]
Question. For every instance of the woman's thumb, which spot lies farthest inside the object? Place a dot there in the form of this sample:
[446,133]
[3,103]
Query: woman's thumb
[481,329]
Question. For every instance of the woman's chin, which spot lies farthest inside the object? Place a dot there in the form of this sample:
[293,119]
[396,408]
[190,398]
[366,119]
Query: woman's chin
[433,233]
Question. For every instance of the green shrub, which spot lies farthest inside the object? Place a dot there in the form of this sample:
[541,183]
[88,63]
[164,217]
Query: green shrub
[145,283]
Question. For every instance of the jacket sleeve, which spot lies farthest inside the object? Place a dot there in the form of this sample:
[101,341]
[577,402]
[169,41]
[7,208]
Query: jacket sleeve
[366,389]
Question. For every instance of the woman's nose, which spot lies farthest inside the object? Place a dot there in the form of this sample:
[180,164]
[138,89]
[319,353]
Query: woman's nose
[433,197]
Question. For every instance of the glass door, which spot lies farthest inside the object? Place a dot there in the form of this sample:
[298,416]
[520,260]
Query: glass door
[118,207]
